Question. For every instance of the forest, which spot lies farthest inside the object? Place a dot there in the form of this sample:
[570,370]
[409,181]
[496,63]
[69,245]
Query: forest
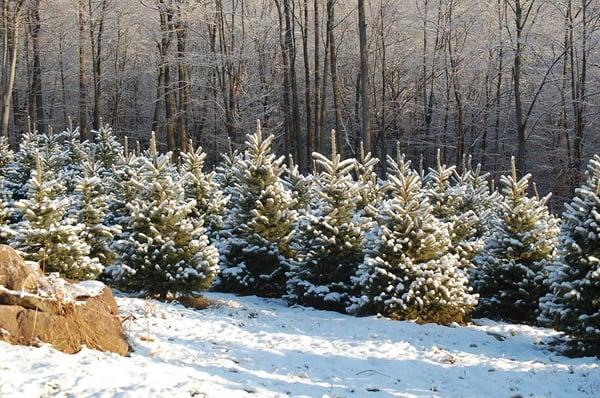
[488,80]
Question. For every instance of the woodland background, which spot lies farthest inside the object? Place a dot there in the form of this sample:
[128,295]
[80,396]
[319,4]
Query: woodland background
[489,79]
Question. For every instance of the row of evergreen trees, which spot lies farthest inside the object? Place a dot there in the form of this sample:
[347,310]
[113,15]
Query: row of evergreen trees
[428,246]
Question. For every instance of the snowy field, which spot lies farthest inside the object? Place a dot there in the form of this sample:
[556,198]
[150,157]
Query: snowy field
[251,347]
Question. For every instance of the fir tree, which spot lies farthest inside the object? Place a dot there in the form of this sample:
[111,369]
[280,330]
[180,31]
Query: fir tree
[464,202]
[108,150]
[329,239]
[408,272]
[372,193]
[202,187]
[164,250]
[7,156]
[47,235]
[92,206]
[20,172]
[573,303]
[509,273]
[73,155]
[255,253]
[299,185]
[5,212]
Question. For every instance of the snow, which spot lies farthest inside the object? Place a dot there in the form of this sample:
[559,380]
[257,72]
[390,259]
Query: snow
[253,347]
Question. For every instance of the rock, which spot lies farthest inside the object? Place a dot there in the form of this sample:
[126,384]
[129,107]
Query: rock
[15,274]
[67,326]
[37,309]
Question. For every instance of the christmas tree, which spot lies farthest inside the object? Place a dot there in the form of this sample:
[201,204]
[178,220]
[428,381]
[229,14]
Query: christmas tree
[329,239]
[202,187]
[372,192]
[19,172]
[509,273]
[163,250]
[408,272]
[464,202]
[108,150]
[47,235]
[261,218]
[299,185]
[573,303]
[6,155]
[92,207]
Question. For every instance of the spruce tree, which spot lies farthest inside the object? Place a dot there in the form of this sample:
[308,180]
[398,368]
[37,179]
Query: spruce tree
[47,234]
[299,185]
[261,218]
[202,187]
[92,207]
[509,273]
[329,238]
[464,202]
[408,271]
[163,249]
[372,192]
[5,212]
[573,303]
[25,159]
[107,148]
[7,156]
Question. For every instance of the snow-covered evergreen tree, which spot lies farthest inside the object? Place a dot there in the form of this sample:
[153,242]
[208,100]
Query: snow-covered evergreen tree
[573,303]
[408,271]
[465,203]
[92,207]
[20,171]
[299,185]
[73,155]
[372,192]
[226,176]
[202,187]
[107,148]
[163,249]
[6,155]
[261,217]
[5,212]
[329,239]
[47,235]
[509,273]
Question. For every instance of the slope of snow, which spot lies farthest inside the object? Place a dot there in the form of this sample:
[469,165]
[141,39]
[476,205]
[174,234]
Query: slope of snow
[252,347]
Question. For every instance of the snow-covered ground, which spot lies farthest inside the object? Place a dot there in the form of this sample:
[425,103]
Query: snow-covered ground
[252,347]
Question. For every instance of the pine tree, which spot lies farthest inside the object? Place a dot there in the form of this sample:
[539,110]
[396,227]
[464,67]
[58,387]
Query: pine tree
[73,155]
[107,148]
[408,271]
[5,212]
[299,185]
[19,172]
[261,218]
[329,239]
[573,303]
[47,235]
[464,202]
[7,156]
[92,207]
[202,187]
[509,273]
[163,249]
[372,193]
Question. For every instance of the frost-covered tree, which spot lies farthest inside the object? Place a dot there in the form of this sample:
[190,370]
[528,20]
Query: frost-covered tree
[202,187]
[163,249]
[47,234]
[226,176]
[509,273]
[299,185]
[465,203]
[372,192]
[573,303]
[408,271]
[124,184]
[5,212]
[19,172]
[6,155]
[92,207]
[73,154]
[107,148]
[261,216]
[329,238]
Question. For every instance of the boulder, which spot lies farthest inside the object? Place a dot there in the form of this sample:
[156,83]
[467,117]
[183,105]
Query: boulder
[14,273]
[66,315]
